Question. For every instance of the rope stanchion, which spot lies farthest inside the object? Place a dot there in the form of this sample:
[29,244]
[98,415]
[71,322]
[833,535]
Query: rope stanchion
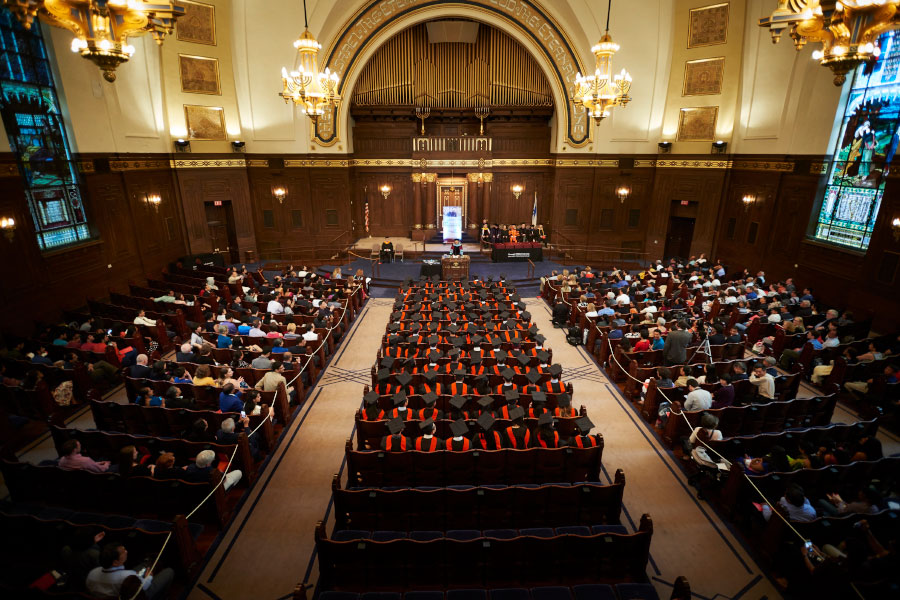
[708,447]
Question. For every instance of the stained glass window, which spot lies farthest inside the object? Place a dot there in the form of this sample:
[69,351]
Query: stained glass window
[33,122]
[864,151]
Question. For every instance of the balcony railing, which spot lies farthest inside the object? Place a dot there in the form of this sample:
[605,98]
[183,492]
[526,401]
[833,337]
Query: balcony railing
[452,143]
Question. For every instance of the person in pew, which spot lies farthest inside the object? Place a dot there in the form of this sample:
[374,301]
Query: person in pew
[507,385]
[776,461]
[457,403]
[108,579]
[174,399]
[547,435]
[223,340]
[512,399]
[159,372]
[538,405]
[487,437]
[199,432]
[71,458]
[794,504]
[458,443]
[202,376]
[765,384]
[724,395]
[146,398]
[371,411]
[263,361]
[82,553]
[237,360]
[230,399]
[430,410]
[139,370]
[131,464]
[697,398]
[427,442]
[181,375]
[401,407]
[583,437]
[395,441]
[868,501]
[564,407]
[517,434]
[860,388]
[165,467]
[185,353]
[201,470]
[555,386]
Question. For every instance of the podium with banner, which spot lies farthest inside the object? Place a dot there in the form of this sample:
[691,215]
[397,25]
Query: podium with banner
[455,268]
[452,223]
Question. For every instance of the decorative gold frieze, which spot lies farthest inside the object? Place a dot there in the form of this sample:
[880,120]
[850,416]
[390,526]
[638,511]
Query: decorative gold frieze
[317,162]
[818,168]
[578,162]
[208,164]
[138,165]
[257,162]
[85,166]
[694,164]
[754,165]
[642,163]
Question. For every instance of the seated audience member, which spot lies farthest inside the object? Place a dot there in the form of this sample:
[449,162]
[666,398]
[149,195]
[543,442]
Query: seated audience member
[705,433]
[724,395]
[165,467]
[765,385]
[130,465]
[868,501]
[223,340]
[271,380]
[71,458]
[185,353]
[861,388]
[145,397]
[262,361]
[205,357]
[202,376]
[794,505]
[202,470]
[200,432]
[182,375]
[230,399]
[106,581]
[175,399]
[140,369]
[697,398]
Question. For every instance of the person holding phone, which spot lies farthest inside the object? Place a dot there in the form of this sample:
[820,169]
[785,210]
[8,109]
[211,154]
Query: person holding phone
[106,580]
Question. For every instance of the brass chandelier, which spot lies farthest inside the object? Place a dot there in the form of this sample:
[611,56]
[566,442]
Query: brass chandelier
[309,89]
[848,29]
[102,27]
[600,92]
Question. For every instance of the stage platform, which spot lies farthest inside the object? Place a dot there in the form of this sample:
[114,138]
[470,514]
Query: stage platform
[364,245]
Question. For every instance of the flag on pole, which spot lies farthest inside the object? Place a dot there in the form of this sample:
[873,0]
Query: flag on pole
[367,216]
[534,211]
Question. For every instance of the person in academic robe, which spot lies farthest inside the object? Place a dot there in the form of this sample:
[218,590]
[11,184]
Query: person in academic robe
[547,435]
[456,248]
[371,412]
[428,442]
[395,441]
[459,442]
[517,434]
[541,236]
[487,438]
[485,231]
[387,251]
[583,437]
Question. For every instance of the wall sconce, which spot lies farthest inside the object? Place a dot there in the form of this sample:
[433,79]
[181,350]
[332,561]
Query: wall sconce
[622,193]
[748,199]
[718,147]
[237,146]
[385,191]
[153,200]
[182,145]
[8,225]
[280,193]
[517,190]
[895,228]
[665,147]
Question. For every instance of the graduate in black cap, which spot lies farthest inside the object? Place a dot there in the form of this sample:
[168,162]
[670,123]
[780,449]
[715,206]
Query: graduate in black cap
[428,442]
[538,405]
[371,411]
[430,383]
[507,385]
[487,438]
[382,385]
[456,408]
[564,406]
[517,434]
[583,438]
[547,436]
[395,441]
[430,410]
[555,386]
[404,382]
[401,407]
[460,387]
[458,443]
[512,400]
[532,386]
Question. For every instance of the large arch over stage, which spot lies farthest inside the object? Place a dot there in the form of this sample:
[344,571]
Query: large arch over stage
[379,20]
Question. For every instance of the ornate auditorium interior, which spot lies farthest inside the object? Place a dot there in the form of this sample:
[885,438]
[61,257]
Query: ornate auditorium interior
[449,299]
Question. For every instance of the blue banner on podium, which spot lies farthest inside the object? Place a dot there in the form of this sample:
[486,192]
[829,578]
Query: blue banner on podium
[452,223]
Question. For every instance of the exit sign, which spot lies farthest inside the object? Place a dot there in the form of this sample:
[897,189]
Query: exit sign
[683,202]
[219,203]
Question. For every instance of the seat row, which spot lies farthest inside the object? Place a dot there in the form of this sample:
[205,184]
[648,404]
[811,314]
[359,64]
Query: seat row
[478,507]
[108,492]
[760,444]
[386,402]
[589,591]
[442,563]
[376,468]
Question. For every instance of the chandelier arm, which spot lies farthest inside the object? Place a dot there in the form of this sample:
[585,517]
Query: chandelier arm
[608,10]
[305,23]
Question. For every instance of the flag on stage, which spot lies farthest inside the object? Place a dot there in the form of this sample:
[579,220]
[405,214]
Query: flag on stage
[367,216]
[534,211]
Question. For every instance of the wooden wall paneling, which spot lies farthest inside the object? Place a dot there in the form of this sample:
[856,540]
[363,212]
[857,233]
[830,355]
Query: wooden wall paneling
[330,190]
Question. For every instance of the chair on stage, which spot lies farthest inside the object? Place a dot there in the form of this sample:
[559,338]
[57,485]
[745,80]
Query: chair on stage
[375,254]
[398,252]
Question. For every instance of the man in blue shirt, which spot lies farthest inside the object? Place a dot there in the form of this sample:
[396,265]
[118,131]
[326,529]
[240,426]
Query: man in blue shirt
[106,580]
[230,399]
[223,341]
[606,310]
[789,356]
[658,342]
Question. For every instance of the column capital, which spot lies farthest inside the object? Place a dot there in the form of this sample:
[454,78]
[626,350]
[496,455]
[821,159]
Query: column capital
[416,177]
[430,177]
[473,177]
[488,177]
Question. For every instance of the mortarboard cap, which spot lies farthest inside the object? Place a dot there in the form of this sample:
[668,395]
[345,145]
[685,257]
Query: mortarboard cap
[533,376]
[404,378]
[458,402]
[395,426]
[396,315]
[458,428]
[486,421]
[382,375]
[485,402]
[523,359]
[433,340]
[416,317]
[526,315]
[371,398]
[511,395]
[584,425]
[556,370]
[563,400]
[501,356]
[476,340]
[476,359]
[545,419]
[392,327]
[426,424]
[538,397]
[399,398]
[516,414]
[414,328]
[434,355]
[453,327]
[387,362]
[432,326]
[540,339]
[429,398]
[459,372]
[543,356]
[430,376]
[508,373]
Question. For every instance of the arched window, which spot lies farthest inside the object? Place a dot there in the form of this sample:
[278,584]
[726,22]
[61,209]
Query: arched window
[863,152]
[33,122]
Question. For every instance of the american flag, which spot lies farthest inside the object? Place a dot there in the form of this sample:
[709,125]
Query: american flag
[367,216]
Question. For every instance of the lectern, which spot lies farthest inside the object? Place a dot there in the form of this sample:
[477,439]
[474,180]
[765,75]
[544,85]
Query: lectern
[454,268]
